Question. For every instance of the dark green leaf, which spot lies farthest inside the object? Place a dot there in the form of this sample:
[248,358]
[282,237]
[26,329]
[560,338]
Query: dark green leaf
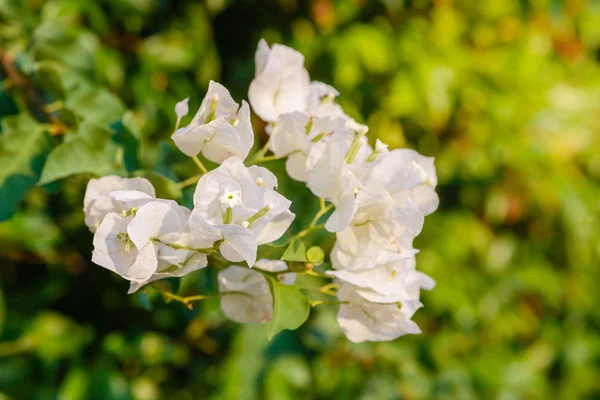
[23,149]
[123,137]
[49,77]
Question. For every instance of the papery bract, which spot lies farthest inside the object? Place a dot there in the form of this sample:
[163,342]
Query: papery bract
[220,129]
[281,82]
[97,203]
[363,320]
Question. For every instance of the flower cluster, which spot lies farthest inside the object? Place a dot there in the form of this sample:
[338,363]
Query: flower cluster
[144,239]
[380,197]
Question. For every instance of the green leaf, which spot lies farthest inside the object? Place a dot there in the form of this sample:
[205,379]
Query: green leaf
[290,307]
[49,77]
[93,104]
[123,137]
[296,251]
[75,385]
[2,311]
[91,151]
[23,148]
[315,255]
[165,188]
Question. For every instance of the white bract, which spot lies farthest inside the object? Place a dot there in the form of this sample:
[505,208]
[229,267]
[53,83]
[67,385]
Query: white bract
[240,203]
[397,281]
[245,293]
[220,129]
[404,172]
[281,84]
[363,320]
[150,243]
[97,202]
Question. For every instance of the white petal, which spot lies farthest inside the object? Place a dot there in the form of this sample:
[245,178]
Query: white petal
[262,56]
[182,108]
[154,220]
[268,179]
[110,250]
[276,227]
[289,134]
[295,166]
[191,140]
[239,244]
[245,295]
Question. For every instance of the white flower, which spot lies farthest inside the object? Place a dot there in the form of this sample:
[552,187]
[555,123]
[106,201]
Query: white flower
[404,172]
[220,129]
[388,283]
[147,244]
[240,203]
[333,177]
[245,295]
[362,320]
[182,108]
[381,231]
[281,82]
[295,133]
[321,100]
[97,203]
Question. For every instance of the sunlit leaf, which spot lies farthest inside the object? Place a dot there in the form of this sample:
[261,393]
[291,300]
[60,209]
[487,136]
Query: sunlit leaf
[290,307]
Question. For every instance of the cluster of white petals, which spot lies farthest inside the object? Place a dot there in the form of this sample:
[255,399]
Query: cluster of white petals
[219,130]
[380,196]
[144,239]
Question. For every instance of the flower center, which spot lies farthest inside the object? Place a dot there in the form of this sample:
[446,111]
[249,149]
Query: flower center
[231,198]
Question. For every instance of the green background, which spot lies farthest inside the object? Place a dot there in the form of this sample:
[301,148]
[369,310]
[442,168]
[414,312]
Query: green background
[504,93]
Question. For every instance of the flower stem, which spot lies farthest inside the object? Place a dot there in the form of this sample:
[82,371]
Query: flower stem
[189,181]
[315,303]
[259,156]
[307,231]
[199,164]
[187,301]
[323,210]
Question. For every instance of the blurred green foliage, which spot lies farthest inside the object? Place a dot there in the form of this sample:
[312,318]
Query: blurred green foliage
[505,94]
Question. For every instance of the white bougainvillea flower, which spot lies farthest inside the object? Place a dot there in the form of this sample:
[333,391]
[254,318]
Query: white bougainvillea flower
[388,283]
[321,100]
[164,226]
[363,320]
[220,129]
[405,172]
[321,103]
[245,295]
[97,203]
[281,82]
[240,203]
[336,177]
[381,231]
[148,244]
[295,133]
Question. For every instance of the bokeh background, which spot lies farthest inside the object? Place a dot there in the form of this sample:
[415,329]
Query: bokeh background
[504,93]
